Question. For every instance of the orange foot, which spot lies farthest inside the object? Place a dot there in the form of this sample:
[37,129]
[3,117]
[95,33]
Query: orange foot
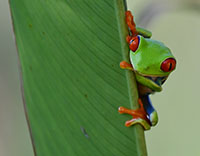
[131,24]
[126,65]
[139,116]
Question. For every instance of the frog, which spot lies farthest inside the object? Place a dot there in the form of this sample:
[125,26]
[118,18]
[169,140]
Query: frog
[152,62]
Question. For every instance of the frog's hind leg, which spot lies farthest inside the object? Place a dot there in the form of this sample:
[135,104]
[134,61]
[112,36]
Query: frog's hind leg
[139,116]
[143,122]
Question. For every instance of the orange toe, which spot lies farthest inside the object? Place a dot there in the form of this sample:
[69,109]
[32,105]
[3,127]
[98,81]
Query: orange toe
[130,122]
[126,65]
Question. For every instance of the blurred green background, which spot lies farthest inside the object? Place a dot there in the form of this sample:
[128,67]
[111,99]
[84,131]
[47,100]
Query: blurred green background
[174,22]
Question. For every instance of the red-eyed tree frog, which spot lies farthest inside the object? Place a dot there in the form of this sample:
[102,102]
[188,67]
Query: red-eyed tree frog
[152,62]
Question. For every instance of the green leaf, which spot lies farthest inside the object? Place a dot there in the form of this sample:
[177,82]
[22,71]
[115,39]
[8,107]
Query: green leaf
[69,53]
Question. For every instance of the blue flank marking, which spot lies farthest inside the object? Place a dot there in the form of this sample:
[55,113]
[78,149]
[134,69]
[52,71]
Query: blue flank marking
[147,104]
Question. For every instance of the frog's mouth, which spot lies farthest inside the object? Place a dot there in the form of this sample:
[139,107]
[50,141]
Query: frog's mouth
[158,80]
[153,82]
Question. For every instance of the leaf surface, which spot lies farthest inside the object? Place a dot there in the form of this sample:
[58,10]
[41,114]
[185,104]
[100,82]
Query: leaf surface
[69,53]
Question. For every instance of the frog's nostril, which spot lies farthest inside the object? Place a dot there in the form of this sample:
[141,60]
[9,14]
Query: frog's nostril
[168,65]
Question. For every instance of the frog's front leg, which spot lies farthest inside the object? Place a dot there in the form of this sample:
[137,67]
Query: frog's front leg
[136,30]
[126,65]
[139,116]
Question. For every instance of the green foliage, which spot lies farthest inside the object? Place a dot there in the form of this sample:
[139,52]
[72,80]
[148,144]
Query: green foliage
[69,53]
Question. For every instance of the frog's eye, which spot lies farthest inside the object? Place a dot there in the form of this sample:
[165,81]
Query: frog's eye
[168,65]
[134,43]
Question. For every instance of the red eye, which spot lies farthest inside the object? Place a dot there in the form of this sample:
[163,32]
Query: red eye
[168,65]
[134,43]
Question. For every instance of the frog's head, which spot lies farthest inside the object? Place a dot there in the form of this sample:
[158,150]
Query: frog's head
[152,62]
